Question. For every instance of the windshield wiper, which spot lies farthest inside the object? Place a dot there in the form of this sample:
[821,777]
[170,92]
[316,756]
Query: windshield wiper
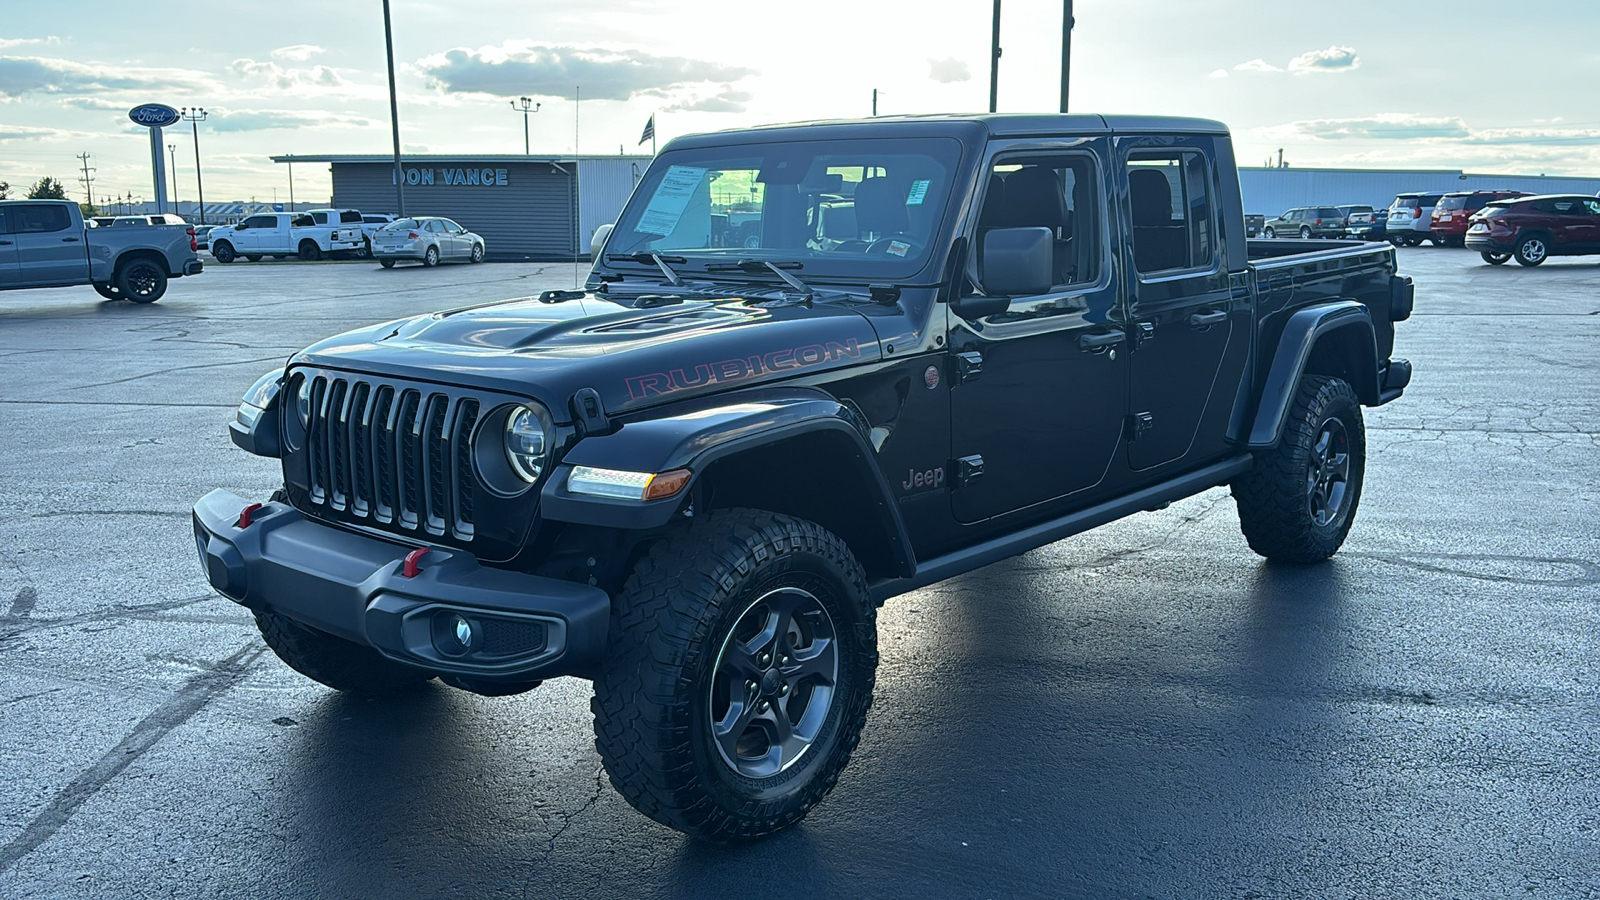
[757,265]
[652,259]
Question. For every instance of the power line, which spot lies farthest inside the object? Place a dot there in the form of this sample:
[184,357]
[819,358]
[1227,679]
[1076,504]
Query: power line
[87,179]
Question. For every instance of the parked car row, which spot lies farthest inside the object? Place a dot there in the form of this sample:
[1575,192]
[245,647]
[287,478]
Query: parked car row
[1533,229]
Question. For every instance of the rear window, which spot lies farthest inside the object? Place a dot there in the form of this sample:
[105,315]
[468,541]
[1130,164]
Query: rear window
[1430,199]
[349,216]
[1328,212]
[1454,202]
[374,220]
[1405,203]
[401,225]
[1357,210]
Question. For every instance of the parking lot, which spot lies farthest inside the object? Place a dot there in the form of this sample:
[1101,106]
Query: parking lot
[1147,710]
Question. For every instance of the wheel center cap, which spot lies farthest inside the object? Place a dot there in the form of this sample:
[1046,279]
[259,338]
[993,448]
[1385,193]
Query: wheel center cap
[770,682]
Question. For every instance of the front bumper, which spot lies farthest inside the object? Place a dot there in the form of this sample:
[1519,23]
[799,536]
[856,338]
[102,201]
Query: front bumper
[524,627]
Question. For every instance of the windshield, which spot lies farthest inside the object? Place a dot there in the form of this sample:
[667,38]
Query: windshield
[838,206]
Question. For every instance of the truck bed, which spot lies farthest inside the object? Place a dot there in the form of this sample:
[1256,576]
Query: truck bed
[1291,274]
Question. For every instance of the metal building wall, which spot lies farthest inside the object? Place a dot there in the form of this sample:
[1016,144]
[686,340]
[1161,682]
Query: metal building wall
[1271,191]
[531,216]
[604,184]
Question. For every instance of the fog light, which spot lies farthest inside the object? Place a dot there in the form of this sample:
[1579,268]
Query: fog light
[463,632]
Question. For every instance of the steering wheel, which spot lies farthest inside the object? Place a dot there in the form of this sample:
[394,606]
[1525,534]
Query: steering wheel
[881,245]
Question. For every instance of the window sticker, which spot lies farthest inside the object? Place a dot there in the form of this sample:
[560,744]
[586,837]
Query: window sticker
[671,199]
[899,248]
[919,192]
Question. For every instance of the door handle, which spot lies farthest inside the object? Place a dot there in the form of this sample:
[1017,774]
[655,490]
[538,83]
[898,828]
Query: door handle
[1094,343]
[1208,318]
[5,243]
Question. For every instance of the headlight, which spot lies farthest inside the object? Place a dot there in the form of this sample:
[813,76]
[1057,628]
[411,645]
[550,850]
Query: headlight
[302,402]
[528,441]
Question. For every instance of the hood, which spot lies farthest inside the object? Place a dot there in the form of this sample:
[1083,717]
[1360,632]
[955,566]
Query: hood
[634,358]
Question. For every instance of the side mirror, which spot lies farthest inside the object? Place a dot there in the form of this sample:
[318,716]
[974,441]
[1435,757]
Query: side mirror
[1015,262]
[598,242]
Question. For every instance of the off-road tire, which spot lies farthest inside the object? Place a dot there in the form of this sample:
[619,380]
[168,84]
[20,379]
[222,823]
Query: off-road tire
[430,257]
[142,280]
[1532,250]
[224,253]
[669,629]
[386,263]
[309,251]
[1495,259]
[335,662]
[1275,497]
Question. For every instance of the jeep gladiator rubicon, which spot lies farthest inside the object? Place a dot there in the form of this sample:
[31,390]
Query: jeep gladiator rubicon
[46,243]
[695,480]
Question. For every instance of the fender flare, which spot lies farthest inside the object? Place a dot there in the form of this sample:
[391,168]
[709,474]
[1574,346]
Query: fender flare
[697,433]
[1301,334]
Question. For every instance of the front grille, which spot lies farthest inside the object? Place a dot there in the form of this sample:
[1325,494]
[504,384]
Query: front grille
[392,456]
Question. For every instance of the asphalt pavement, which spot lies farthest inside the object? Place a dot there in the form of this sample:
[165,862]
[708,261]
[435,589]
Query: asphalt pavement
[1146,710]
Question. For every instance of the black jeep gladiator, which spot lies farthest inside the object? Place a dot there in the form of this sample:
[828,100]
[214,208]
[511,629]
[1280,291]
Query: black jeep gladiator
[933,344]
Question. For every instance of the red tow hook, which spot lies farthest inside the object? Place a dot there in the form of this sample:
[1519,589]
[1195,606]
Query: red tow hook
[412,559]
[246,516]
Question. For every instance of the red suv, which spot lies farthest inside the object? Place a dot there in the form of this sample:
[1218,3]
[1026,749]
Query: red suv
[1533,229]
[1449,225]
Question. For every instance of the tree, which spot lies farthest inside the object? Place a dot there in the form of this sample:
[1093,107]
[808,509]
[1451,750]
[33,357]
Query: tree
[47,188]
[89,210]
[5,190]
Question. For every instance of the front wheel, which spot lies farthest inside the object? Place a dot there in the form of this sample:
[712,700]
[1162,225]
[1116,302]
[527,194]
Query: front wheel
[431,257]
[333,661]
[1269,233]
[1296,504]
[477,253]
[1495,259]
[142,281]
[1531,251]
[223,252]
[741,666]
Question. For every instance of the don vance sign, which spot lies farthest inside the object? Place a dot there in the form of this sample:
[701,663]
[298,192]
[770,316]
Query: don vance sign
[484,177]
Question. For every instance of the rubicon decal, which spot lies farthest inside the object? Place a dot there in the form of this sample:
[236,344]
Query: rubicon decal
[727,371]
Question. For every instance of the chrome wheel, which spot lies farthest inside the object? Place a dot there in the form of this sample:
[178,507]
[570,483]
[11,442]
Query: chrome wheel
[1532,251]
[773,683]
[1329,475]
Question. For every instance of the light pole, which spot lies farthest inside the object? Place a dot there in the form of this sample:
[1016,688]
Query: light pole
[196,115]
[522,103]
[1066,49]
[394,117]
[994,60]
[172,153]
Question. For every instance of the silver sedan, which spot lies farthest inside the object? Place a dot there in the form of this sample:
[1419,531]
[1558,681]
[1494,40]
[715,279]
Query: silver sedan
[426,239]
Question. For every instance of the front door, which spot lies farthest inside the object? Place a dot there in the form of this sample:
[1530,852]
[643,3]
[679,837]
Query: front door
[49,250]
[10,273]
[1040,389]
[1181,316]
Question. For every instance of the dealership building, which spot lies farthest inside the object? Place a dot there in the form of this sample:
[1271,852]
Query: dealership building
[526,207]
[1271,191]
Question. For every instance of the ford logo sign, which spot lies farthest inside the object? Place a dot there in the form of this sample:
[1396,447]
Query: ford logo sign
[153,115]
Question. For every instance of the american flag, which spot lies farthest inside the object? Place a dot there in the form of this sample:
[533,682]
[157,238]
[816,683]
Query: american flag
[649,130]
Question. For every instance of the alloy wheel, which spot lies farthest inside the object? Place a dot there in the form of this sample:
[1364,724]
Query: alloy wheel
[1328,479]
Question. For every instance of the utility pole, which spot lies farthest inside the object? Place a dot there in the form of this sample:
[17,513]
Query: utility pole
[526,108]
[87,179]
[1066,49]
[196,115]
[994,61]
[394,116]
[874,101]
[172,152]
[291,186]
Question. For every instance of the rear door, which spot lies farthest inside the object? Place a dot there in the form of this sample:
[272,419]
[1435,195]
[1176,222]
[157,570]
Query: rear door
[10,273]
[1180,306]
[49,249]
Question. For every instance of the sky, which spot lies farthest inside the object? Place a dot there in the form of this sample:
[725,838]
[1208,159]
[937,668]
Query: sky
[1463,84]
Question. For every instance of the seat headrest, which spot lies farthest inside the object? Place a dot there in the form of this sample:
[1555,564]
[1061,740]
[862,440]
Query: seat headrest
[1150,194]
[1034,199]
[880,207]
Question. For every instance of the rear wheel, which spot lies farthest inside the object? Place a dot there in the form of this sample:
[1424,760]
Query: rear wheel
[1305,232]
[1296,504]
[335,662]
[223,252]
[1269,233]
[1531,250]
[1495,259]
[386,263]
[142,281]
[253,257]
[431,258]
[741,666]
[309,251]
[366,249]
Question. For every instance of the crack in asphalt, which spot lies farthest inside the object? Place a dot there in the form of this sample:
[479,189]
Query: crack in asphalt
[164,513]
[1588,572]
[594,798]
[168,371]
[138,403]
[178,709]
[145,611]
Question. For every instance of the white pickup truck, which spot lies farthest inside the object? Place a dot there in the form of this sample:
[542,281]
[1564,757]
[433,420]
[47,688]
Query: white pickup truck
[281,235]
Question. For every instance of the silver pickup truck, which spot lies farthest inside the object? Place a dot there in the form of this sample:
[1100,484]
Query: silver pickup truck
[44,243]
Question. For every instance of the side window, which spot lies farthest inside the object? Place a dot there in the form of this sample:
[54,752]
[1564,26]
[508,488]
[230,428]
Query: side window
[5,221]
[301,222]
[1174,226]
[448,225]
[40,219]
[1058,192]
[321,218]
[435,226]
[259,222]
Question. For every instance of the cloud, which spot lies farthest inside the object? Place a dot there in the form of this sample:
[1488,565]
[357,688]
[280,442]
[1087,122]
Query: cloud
[287,79]
[1218,73]
[948,70]
[21,75]
[29,133]
[95,103]
[1383,126]
[1333,59]
[727,100]
[524,68]
[224,120]
[1256,65]
[298,52]
[6,43]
